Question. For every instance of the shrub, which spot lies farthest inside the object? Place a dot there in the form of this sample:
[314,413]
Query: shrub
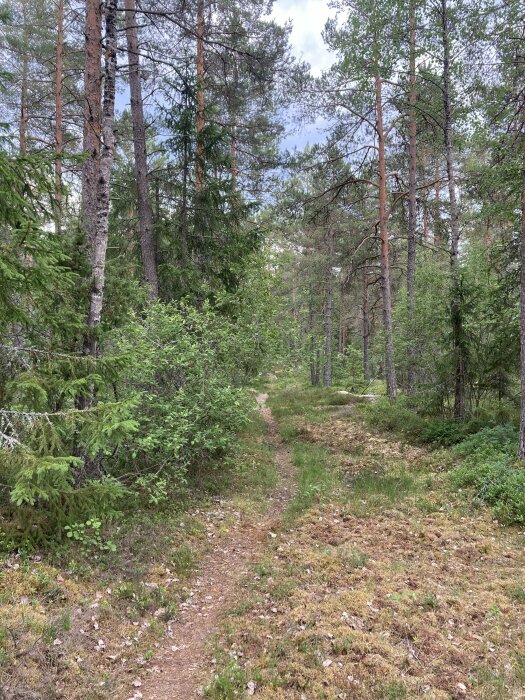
[444,432]
[188,407]
[489,467]
[395,417]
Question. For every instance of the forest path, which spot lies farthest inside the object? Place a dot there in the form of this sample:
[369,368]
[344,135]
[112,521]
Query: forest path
[183,666]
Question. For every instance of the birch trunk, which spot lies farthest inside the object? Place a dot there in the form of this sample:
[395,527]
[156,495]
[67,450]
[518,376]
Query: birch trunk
[104,180]
[390,372]
[343,325]
[456,312]
[59,105]
[92,119]
[145,213]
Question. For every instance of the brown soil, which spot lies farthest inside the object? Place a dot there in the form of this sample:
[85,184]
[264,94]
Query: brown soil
[184,664]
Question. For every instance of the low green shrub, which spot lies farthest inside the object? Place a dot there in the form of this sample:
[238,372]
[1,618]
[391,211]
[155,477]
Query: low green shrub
[444,432]
[395,417]
[489,467]
[401,418]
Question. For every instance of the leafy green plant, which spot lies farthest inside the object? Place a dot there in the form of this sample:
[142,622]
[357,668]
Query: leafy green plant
[89,536]
[490,468]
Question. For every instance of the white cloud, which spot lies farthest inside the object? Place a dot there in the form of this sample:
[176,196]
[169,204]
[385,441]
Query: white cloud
[308,18]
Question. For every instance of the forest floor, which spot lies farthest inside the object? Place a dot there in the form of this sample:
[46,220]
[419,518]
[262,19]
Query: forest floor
[81,622]
[382,584]
[182,665]
[336,563]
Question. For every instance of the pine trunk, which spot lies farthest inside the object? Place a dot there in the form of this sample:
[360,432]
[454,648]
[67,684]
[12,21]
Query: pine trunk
[366,330]
[456,311]
[328,311]
[412,204]
[104,179]
[92,119]
[390,372]
[145,213]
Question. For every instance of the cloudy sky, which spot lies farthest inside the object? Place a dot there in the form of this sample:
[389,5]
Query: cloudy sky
[308,18]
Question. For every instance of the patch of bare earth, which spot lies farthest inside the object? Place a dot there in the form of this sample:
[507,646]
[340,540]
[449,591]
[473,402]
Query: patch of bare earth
[372,597]
[179,669]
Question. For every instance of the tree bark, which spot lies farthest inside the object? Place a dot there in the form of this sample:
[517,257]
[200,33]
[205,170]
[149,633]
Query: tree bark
[59,105]
[456,311]
[426,237]
[412,204]
[343,326]
[521,444]
[24,88]
[328,310]
[145,213]
[200,122]
[366,330]
[92,119]
[314,355]
[390,372]
[104,179]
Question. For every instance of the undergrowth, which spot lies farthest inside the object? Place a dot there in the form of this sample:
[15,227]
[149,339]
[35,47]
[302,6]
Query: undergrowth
[92,608]
[483,452]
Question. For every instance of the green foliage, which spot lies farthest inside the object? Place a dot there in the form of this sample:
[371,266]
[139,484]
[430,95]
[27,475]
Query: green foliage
[33,266]
[396,417]
[153,488]
[182,369]
[228,684]
[489,467]
[89,536]
[401,418]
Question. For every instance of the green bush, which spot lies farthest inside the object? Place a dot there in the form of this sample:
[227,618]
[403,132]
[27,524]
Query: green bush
[395,417]
[444,432]
[182,371]
[489,466]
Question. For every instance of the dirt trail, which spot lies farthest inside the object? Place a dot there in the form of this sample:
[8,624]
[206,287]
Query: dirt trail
[182,667]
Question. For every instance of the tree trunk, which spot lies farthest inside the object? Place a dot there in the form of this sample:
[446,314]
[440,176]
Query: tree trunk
[145,213]
[390,372]
[200,122]
[92,119]
[521,445]
[425,220]
[456,311]
[366,330]
[328,311]
[437,218]
[59,103]
[103,190]
[24,88]
[343,326]
[412,204]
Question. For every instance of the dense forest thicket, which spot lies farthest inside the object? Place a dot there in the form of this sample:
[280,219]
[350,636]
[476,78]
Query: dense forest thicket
[157,258]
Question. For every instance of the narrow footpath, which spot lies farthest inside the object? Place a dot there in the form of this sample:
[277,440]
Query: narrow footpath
[183,666]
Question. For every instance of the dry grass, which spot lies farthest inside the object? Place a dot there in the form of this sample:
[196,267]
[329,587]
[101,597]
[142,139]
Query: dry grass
[78,627]
[390,589]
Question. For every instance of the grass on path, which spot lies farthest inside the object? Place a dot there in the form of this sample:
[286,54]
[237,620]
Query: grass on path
[383,582]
